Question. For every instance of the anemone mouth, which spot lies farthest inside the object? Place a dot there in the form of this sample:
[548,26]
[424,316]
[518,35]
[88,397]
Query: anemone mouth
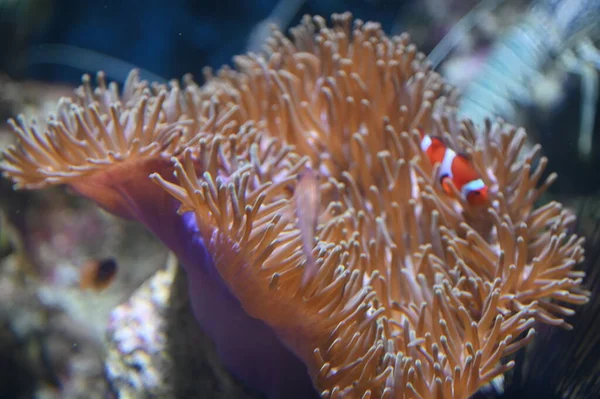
[416,294]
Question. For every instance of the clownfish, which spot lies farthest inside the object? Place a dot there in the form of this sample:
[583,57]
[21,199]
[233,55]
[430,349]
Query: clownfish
[455,168]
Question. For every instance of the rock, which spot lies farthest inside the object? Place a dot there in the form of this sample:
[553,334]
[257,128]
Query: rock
[157,350]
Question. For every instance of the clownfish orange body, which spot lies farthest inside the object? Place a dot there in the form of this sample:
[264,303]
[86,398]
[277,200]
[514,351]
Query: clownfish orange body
[455,168]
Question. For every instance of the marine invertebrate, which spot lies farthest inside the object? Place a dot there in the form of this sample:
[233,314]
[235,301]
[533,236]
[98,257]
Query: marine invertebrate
[104,145]
[416,292]
[571,370]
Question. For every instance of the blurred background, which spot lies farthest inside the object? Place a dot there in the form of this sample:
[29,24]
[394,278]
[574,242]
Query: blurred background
[518,59]
[176,37]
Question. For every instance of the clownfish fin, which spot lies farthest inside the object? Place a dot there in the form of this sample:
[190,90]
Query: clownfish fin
[446,183]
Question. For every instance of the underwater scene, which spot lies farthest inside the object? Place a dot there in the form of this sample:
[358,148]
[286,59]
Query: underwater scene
[300,199]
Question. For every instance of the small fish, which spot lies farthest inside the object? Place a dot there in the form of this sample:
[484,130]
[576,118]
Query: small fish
[97,275]
[308,203]
[455,168]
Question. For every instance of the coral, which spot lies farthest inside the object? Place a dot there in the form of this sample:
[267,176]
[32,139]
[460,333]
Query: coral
[416,294]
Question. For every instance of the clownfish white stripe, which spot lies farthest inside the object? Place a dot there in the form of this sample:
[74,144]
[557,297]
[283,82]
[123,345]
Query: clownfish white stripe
[446,166]
[473,185]
[425,143]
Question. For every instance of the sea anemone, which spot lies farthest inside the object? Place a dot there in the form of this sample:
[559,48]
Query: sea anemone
[404,291]
[571,368]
